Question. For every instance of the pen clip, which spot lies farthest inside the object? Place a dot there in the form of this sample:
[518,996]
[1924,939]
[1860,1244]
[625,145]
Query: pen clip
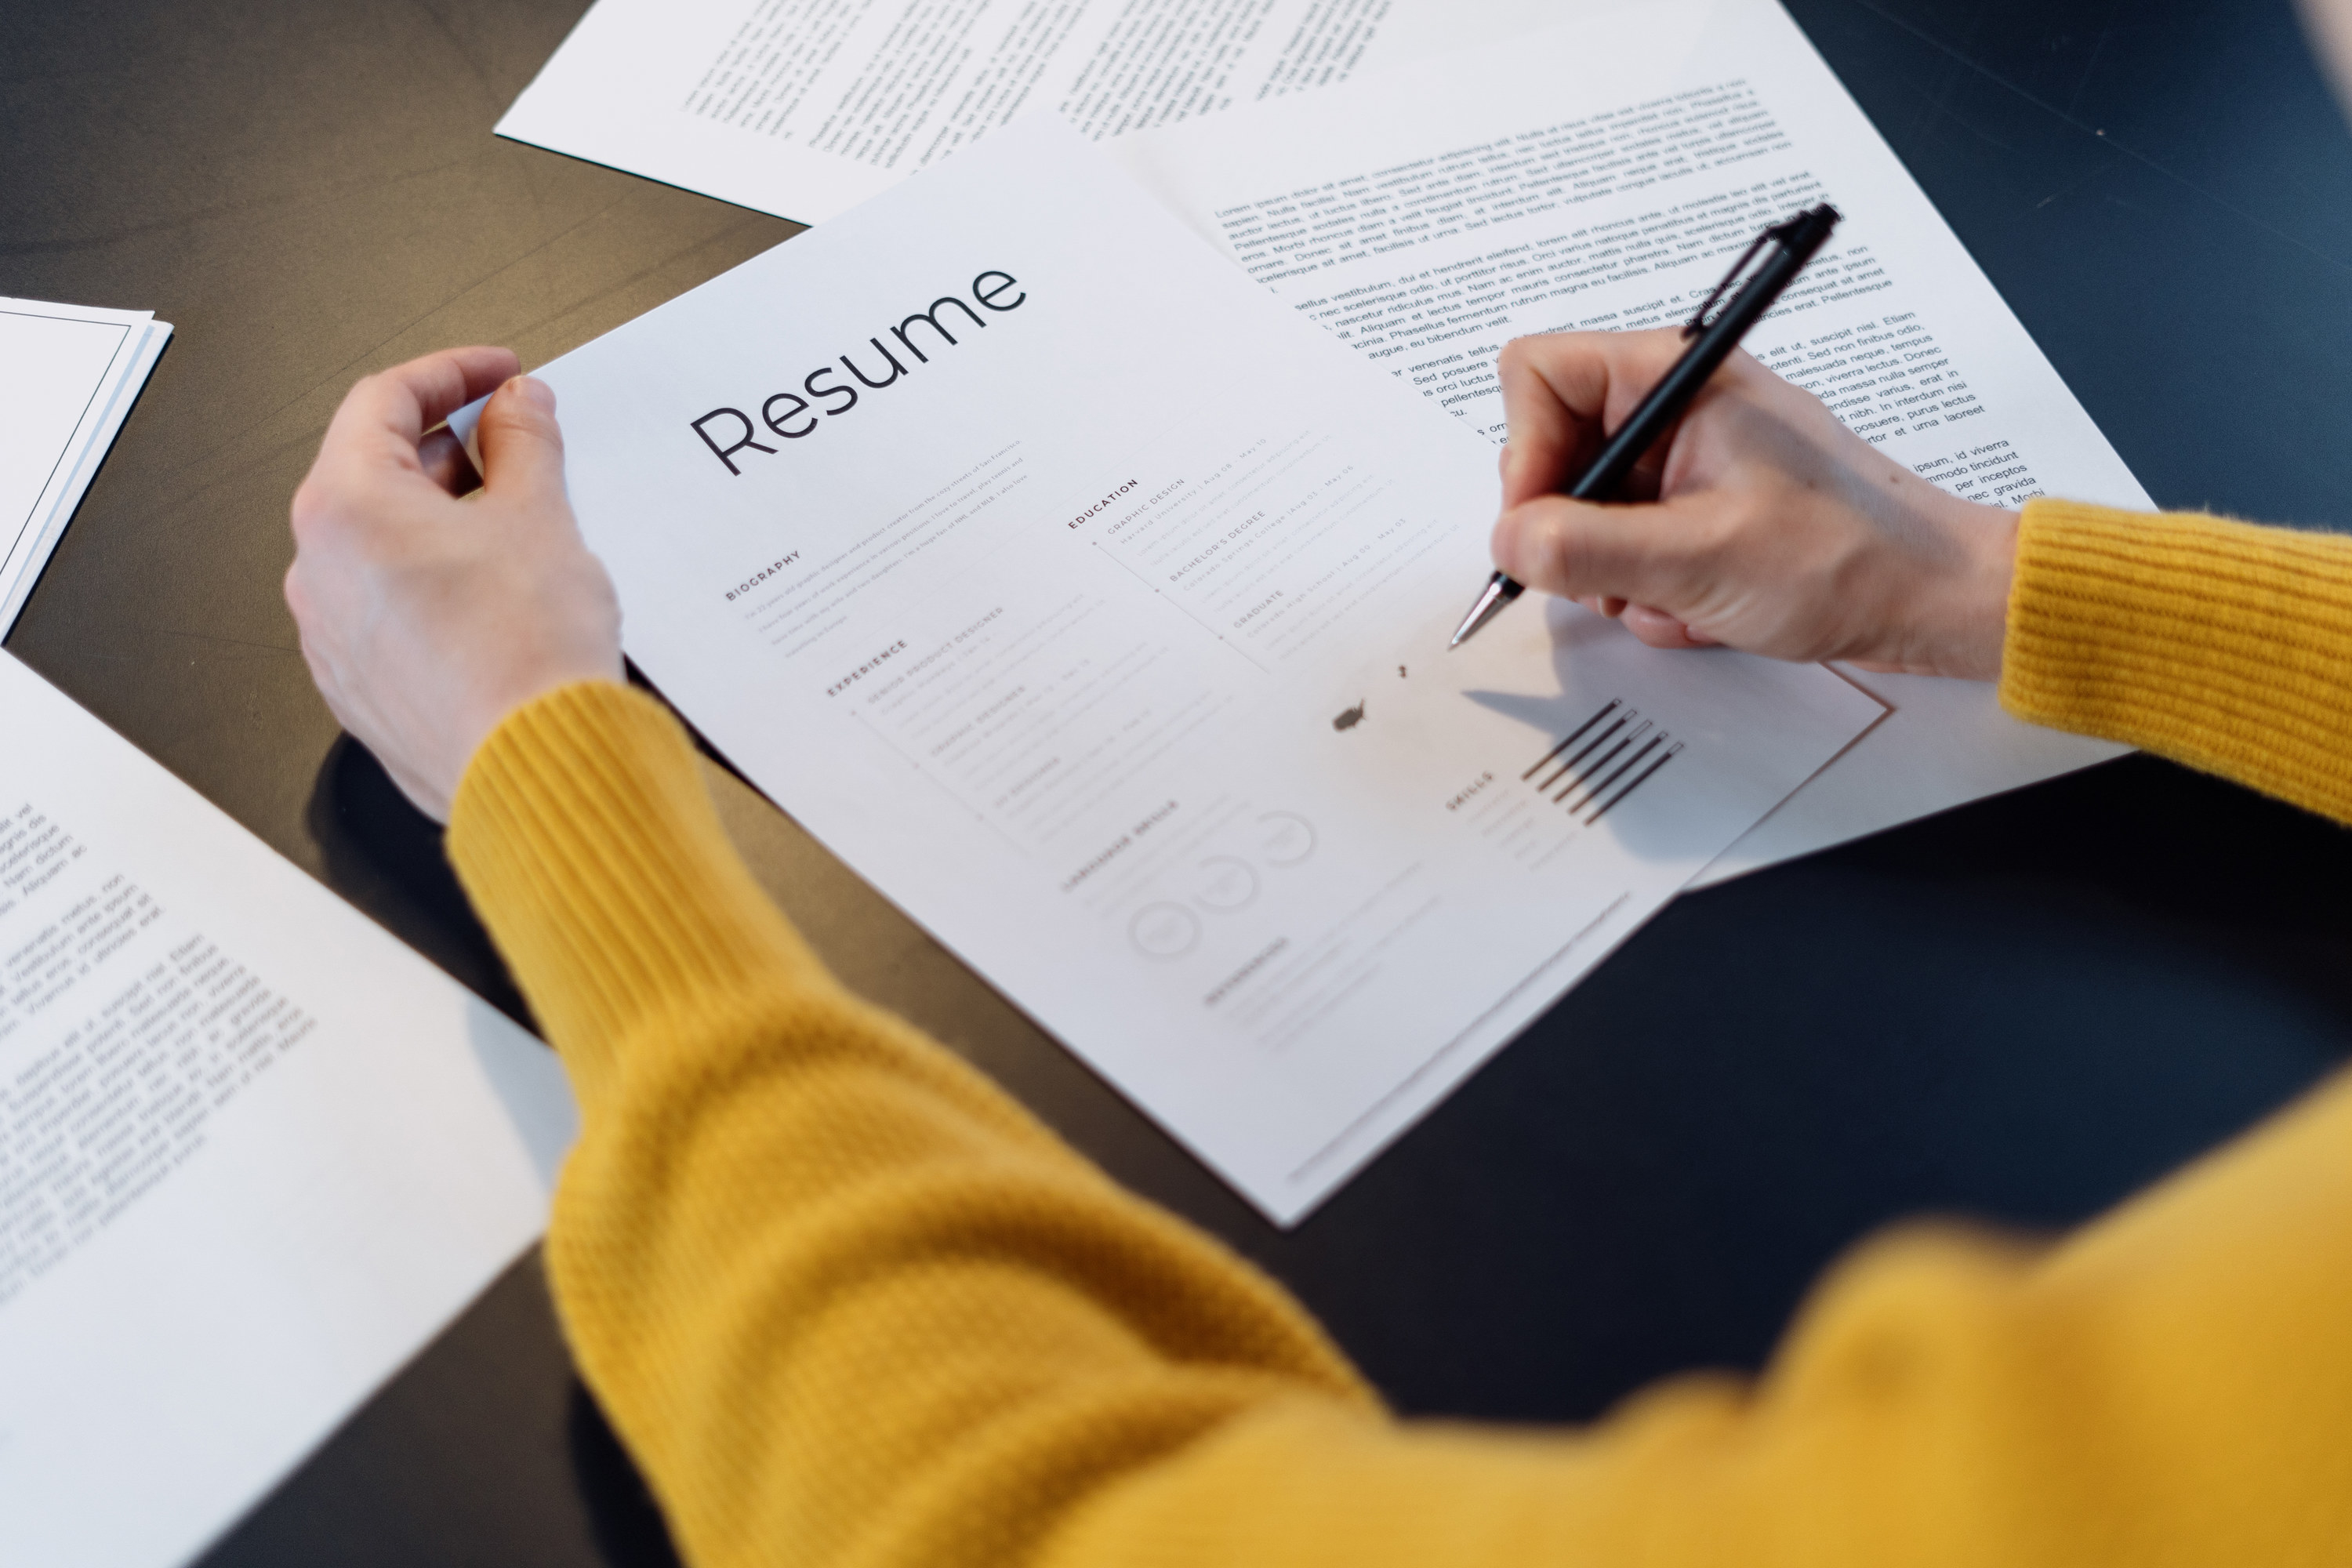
[1777,234]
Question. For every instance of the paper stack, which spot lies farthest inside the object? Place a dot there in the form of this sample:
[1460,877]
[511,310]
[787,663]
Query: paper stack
[74,371]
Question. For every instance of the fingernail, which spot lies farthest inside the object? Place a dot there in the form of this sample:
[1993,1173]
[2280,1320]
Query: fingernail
[535,392]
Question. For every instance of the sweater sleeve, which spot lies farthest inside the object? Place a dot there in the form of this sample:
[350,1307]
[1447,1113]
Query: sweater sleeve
[847,1304]
[2221,644]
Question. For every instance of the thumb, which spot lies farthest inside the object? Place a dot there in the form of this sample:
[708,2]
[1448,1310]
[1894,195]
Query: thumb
[1579,550]
[522,447]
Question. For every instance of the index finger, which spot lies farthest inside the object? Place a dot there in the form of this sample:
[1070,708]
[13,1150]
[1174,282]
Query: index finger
[384,415]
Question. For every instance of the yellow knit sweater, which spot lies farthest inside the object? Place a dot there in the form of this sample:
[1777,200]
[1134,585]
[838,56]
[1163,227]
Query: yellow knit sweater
[848,1304]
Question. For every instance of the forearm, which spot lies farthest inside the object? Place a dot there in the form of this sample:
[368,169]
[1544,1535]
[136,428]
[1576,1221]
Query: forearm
[839,1293]
[2220,645]
[846,1302]
[2170,1386]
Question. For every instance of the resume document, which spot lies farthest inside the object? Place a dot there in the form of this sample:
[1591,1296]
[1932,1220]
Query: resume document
[1601,176]
[1093,606]
[1438,192]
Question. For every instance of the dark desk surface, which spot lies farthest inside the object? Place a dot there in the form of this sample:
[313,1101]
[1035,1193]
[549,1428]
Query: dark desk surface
[2022,1010]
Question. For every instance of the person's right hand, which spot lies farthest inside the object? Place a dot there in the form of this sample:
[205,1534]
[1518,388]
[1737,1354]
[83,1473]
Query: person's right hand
[1761,522]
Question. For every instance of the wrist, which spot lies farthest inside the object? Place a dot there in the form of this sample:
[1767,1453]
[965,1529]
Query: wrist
[1969,622]
[1997,577]
[498,710]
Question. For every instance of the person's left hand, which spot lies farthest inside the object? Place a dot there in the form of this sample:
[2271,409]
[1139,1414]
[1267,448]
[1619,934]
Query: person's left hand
[427,618]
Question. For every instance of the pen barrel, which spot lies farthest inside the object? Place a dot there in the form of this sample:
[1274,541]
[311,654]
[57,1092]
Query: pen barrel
[1672,397]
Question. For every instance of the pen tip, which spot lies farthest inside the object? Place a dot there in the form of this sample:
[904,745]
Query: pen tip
[1489,604]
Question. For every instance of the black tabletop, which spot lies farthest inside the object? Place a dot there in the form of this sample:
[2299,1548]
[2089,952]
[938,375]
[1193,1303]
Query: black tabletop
[2022,1010]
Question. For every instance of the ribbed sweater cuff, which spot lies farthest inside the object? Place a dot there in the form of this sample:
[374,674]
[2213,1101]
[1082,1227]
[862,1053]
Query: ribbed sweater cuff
[585,839]
[2221,644]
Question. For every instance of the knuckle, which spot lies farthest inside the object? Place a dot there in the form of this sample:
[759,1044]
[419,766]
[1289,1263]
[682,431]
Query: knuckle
[310,509]
[364,391]
[1713,546]
[1558,553]
[512,419]
[1713,529]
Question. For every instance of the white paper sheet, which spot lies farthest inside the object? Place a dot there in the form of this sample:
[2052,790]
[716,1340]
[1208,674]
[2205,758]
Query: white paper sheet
[805,108]
[73,372]
[1108,641]
[253,1152]
[1604,174]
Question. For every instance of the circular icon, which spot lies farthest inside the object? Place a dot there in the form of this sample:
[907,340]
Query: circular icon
[1164,931]
[1284,837]
[1227,883]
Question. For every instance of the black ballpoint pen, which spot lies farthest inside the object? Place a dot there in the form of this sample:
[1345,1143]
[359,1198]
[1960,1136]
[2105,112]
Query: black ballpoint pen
[1799,240]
